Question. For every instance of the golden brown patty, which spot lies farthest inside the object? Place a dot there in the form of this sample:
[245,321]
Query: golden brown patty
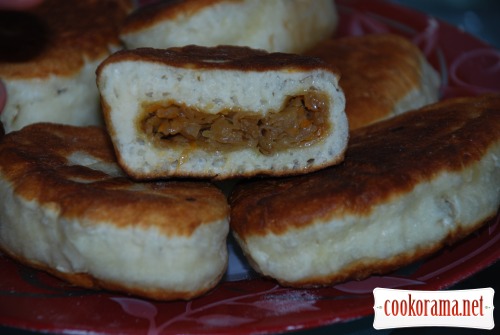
[382,75]
[59,36]
[67,208]
[49,56]
[276,26]
[407,186]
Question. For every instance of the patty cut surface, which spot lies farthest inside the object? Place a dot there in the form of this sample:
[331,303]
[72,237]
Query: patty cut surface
[221,112]
[301,122]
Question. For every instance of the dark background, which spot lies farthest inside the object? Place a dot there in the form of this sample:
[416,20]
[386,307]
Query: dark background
[477,17]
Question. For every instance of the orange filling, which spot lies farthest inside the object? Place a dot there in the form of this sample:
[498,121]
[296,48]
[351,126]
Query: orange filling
[301,122]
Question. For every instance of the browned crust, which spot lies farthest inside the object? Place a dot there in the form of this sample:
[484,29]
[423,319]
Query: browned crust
[59,36]
[382,161]
[34,161]
[377,72]
[224,57]
[151,15]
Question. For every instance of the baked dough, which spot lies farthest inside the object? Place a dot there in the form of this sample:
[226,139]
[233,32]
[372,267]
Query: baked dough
[67,208]
[280,25]
[408,186]
[221,112]
[49,56]
[383,75]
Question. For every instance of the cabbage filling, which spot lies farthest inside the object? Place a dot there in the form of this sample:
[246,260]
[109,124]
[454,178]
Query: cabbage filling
[302,121]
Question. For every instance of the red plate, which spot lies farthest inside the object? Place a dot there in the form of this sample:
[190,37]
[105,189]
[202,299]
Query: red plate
[244,303]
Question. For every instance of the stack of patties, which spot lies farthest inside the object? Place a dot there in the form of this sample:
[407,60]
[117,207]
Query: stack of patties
[221,112]
[67,208]
[49,56]
[290,26]
[407,187]
[190,105]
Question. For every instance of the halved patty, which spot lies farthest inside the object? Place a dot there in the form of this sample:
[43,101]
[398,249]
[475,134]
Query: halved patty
[221,112]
